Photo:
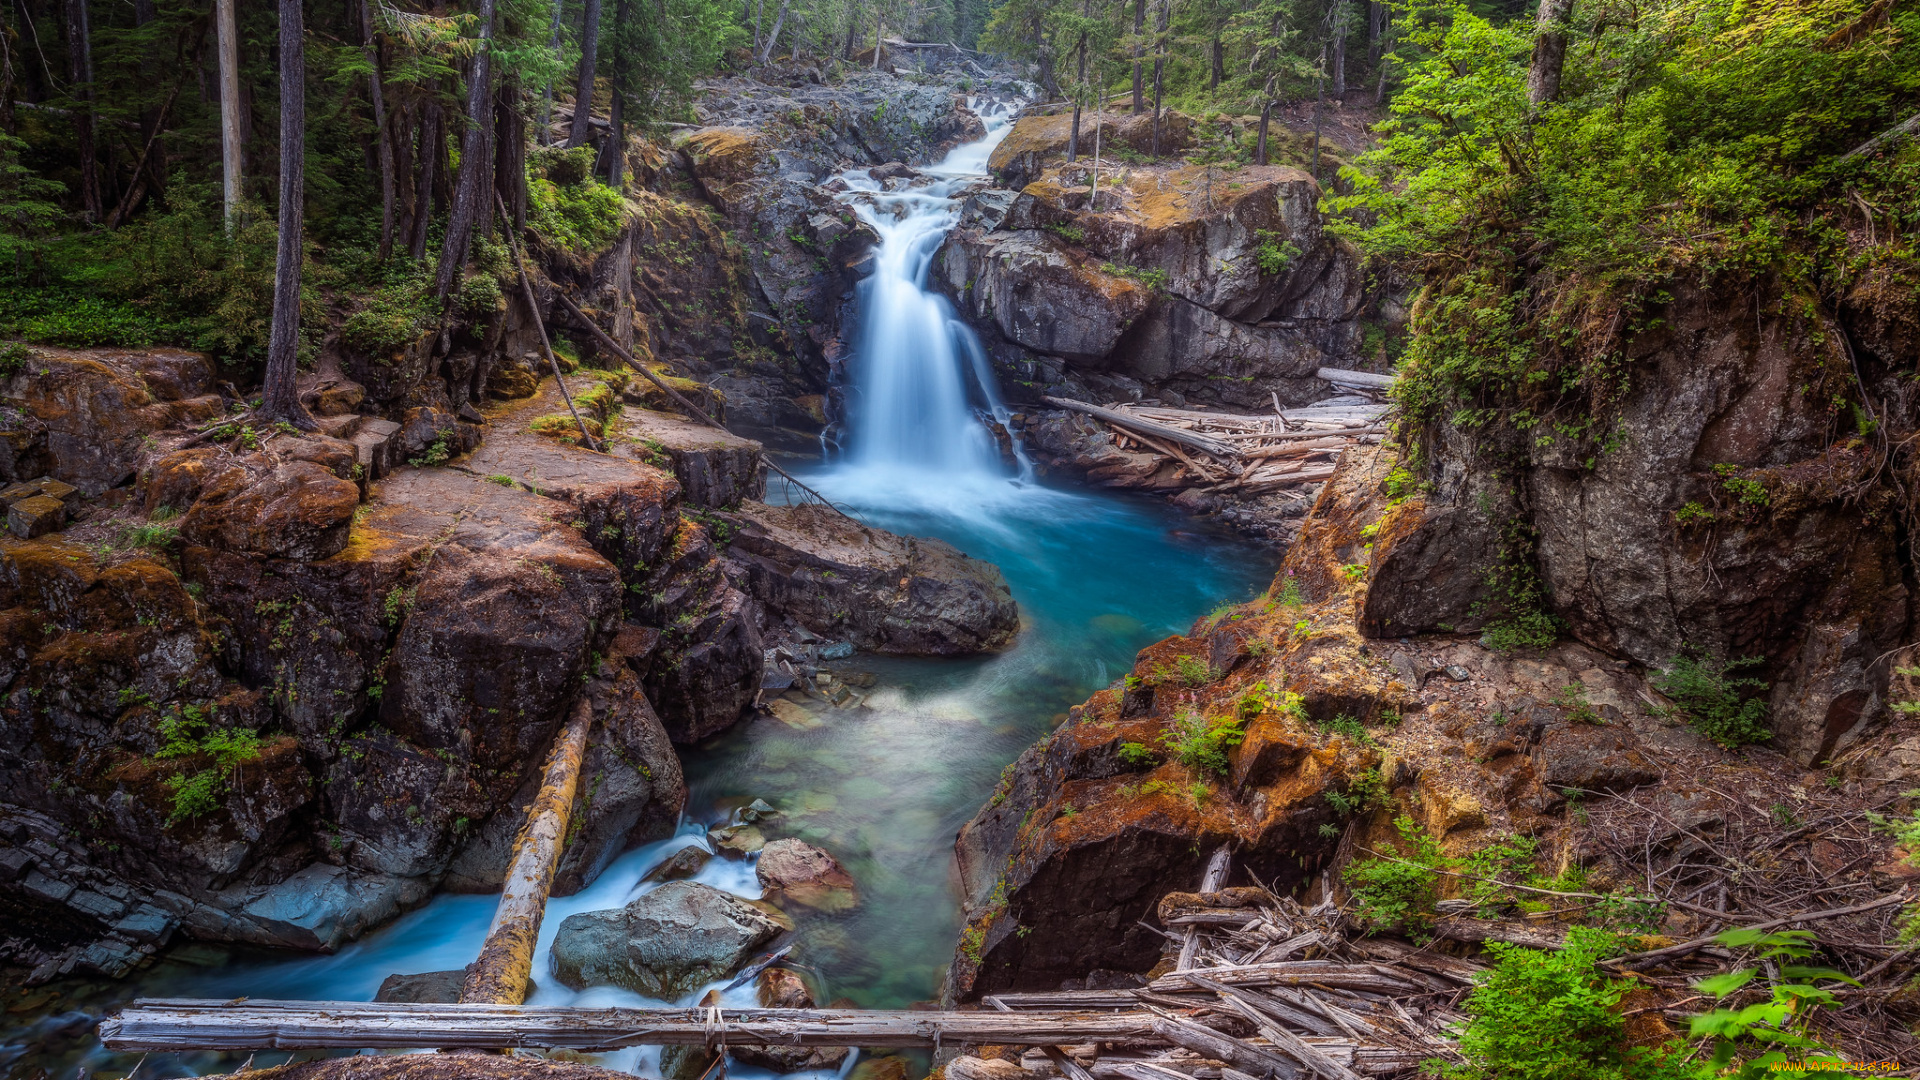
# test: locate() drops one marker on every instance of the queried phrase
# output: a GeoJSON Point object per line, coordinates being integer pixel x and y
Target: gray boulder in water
{"type": "Point", "coordinates": [663, 944]}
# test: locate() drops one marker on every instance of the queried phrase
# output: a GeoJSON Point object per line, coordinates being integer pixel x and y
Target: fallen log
{"type": "Point", "coordinates": [499, 976]}
{"type": "Point", "coordinates": [1283, 1040]}
{"type": "Point", "coordinates": [1348, 377]}
{"type": "Point", "coordinates": [1210, 1043]}
{"type": "Point", "coordinates": [1290, 973]}
{"type": "Point", "coordinates": [1475, 931]}
{"type": "Point", "coordinates": [1142, 426]}
{"type": "Point", "coordinates": [1067, 1066]}
{"type": "Point", "coordinates": [162, 1025]}
{"type": "Point", "coordinates": [1211, 880]}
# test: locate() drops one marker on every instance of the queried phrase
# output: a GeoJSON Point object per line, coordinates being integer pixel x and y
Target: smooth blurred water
{"type": "Point", "coordinates": [885, 786]}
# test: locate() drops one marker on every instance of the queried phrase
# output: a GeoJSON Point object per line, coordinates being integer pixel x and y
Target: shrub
{"type": "Point", "coordinates": [1202, 744]}
{"type": "Point", "coordinates": [1551, 1016]}
{"type": "Point", "coordinates": [1275, 252]}
{"type": "Point", "coordinates": [1725, 709]}
{"type": "Point", "coordinates": [392, 318]}
{"type": "Point", "coordinates": [582, 216]}
{"type": "Point", "coordinates": [1398, 893]}
{"type": "Point", "coordinates": [188, 732]}
{"type": "Point", "coordinates": [1136, 755]}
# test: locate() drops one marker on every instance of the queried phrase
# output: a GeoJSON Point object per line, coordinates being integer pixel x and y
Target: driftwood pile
{"type": "Point", "coordinates": [1261, 986]}
{"type": "Point", "coordinates": [1244, 455]}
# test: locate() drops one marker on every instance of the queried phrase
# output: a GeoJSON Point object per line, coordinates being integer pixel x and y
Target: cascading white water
{"type": "Point", "coordinates": [921, 378]}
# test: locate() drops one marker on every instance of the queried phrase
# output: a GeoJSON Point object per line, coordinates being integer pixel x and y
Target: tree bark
{"type": "Point", "coordinates": [377, 98]}
{"type": "Point", "coordinates": [280, 397]}
{"type": "Point", "coordinates": [1219, 67]}
{"type": "Point", "coordinates": [1339, 73]}
{"type": "Point", "coordinates": [1139, 27]}
{"type": "Point", "coordinates": [510, 152]}
{"type": "Point", "coordinates": [433, 140]}
{"type": "Point", "coordinates": [546, 95]}
{"type": "Point", "coordinates": [1376, 30]}
{"type": "Point", "coordinates": [1549, 51]}
{"type": "Point", "coordinates": [231, 142]}
{"type": "Point", "coordinates": [471, 194]}
{"type": "Point", "coordinates": [80, 72]}
{"type": "Point", "coordinates": [1266, 115]}
{"type": "Point", "coordinates": [1319, 106]}
{"type": "Point", "coordinates": [773, 38]}
{"type": "Point", "coordinates": [583, 88]}
{"type": "Point", "coordinates": [1159, 68]}
{"type": "Point", "coordinates": [144, 12]}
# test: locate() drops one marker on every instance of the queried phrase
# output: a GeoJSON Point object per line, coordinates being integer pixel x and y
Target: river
{"type": "Point", "coordinates": [885, 787]}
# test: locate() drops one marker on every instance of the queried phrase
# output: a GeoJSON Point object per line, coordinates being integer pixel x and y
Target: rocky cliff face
{"type": "Point", "coordinates": [1177, 281]}
{"type": "Point", "coordinates": [1335, 731]}
{"type": "Point", "coordinates": [1727, 507]}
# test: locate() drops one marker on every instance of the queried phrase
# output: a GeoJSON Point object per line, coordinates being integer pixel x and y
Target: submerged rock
{"type": "Point", "coordinates": [663, 944]}
{"type": "Point", "coordinates": [779, 988]}
{"type": "Point", "coordinates": [882, 592]}
{"type": "Point", "coordinates": [803, 873]}
{"type": "Point", "coordinates": [680, 865]}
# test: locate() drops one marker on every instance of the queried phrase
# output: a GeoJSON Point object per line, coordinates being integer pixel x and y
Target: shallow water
{"type": "Point", "coordinates": [884, 787]}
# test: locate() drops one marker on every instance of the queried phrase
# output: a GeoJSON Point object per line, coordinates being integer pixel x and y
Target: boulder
{"type": "Point", "coordinates": [803, 873]}
{"type": "Point", "coordinates": [682, 864]}
{"type": "Point", "coordinates": [663, 944]}
{"type": "Point", "coordinates": [426, 988]}
{"type": "Point", "coordinates": [265, 506]}
{"type": "Point", "coordinates": [34, 516]}
{"type": "Point", "coordinates": [1036, 140]}
{"type": "Point", "coordinates": [882, 592]}
{"type": "Point", "coordinates": [779, 988]}
{"type": "Point", "coordinates": [1041, 294]}
{"type": "Point", "coordinates": [716, 469]}
{"type": "Point", "coordinates": [82, 416]}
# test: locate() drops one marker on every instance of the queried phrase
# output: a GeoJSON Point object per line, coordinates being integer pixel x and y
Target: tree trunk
{"type": "Point", "coordinates": [583, 92]}
{"type": "Point", "coordinates": [1266, 115]}
{"type": "Point", "coordinates": [80, 72]}
{"type": "Point", "coordinates": [471, 195]}
{"type": "Point", "coordinates": [231, 141]}
{"type": "Point", "coordinates": [1219, 70]}
{"type": "Point", "coordinates": [773, 38]}
{"type": "Point", "coordinates": [546, 95]}
{"type": "Point", "coordinates": [1549, 51]}
{"type": "Point", "coordinates": [1339, 74]}
{"type": "Point", "coordinates": [1376, 30]}
{"type": "Point", "coordinates": [510, 152]}
{"type": "Point", "coordinates": [853, 31]}
{"type": "Point", "coordinates": [280, 397]}
{"type": "Point", "coordinates": [156, 170]}
{"type": "Point", "coordinates": [377, 97]}
{"type": "Point", "coordinates": [1319, 106]}
{"type": "Point", "coordinates": [1159, 68]}
{"type": "Point", "coordinates": [433, 140]}
{"type": "Point", "coordinates": [1139, 27]}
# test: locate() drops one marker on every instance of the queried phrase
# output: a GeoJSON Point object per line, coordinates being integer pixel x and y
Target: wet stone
{"type": "Point", "coordinates": [680, 865]}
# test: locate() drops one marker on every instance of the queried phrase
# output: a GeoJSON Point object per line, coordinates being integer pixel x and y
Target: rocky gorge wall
{"type": "Point", "coordinates": [276, 688]}
{"type": "Point", "coordinates": [1178, 280]}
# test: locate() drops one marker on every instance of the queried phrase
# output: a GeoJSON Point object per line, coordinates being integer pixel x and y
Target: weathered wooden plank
{"type": "Point", "coordinates": [160, 1025]}
{"type": "Point", "coordinates": [1289, 973]}
{"type": "Point", "coordinates": [1254, 1060]}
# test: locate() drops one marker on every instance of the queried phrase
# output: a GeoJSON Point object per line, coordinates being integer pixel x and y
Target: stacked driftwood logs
{"type": "Point", "coordinates": [1243, 455]}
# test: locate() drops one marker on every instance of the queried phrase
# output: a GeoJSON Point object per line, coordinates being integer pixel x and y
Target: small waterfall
{"type": "Point", "coordinates": [921, 379]}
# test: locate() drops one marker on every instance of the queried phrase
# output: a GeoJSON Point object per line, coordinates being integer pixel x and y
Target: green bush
{"type": "Point", "coordinates": [582, 217]}
{"type": "Point", "coordinates": [1202, 744]}
{"type": "Point", "coordinates": [188, 732]}
{"type": "Point", "coordinates": [393, 317]}
{"type": "Point", "coordinates": [1543, 1015]}
{"type": "Point", "coordinates": [1398, 893]}
{"type": "Point", "coordinates": [1725, 709]}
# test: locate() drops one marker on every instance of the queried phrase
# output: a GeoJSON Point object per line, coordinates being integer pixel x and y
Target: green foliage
{"type": "Point", "coordinates": [1366, 791]}
{"type": "Point", "coordinates": [1136, 755]}
{"type": "Point", "coordinates": [1260, 699]}
{"type": "Point", "coordinates": [1728, 710]}
{"type": "Point", "coordinates": [392, 317]}
{"type": "Point", "coordinates": [1155, 279]}
{"type": "Point", "coordinates": [436, 453]}
{"type": "Point", "coordinates": [1071, 233]}
{"type": "Point", "coordinates": [1779, 1026]}
{"type": "Point", "coordinates": [1518, 596]}
{"type": "Point", "coordinates": [1749, 492]}
{"type": "Point", "coordinates": [1696, 138]}
{"type": "Point", "coordinates": [188, 732]}
{"type": "Point", "coordinates": [1275, 252]}
{"type": "Point", "coordinates": [1289, 595]}
{"type": "Point", "coordinates": [580, 217]}
{"type": "Point", "coordinates": [1202, 744]}
{"type": "Point", "coordinates": [1573, 698]}
{"type": "Point", "coordinates": [1393, 895]}
{"type": "Point", "coordinates": [1550, 1015]}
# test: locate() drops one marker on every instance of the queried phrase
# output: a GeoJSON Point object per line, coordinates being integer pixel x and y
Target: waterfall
{"type": "Point", "coordinates": [921, 381]}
